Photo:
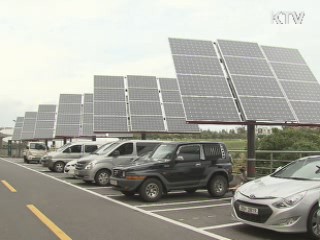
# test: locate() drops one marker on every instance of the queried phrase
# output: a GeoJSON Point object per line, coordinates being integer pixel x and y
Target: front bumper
{"type": "Point", "coordinates": [122, 184]}
{"type": "Point", "coordinates": [85, 174]}
{"type": "Point", "coordinates": [287, 220]}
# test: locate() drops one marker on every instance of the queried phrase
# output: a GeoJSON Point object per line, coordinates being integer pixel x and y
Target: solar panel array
{"type": "Point", "coordinates": [205, 92]}
{"type": "Point", "coordinates": [69, 115]}
{"type": "Point", "coordinates": [298, 82]}
{"type": "Point", "coordinates": [45, 123]}
{"type": "Point", "coordinates": [141, 104]}
{"type": "Point", "coordinates": [16, 136]}
{"type": "Point", "coordinates": [29, 124]}
{"type": "Point", "coordinates": [269, 84]}
{"type": "Point", "coordinates": [258, 91]}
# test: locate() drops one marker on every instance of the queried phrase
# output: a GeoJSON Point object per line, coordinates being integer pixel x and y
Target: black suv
{"type": "Point", "coordinates": [176, 166]}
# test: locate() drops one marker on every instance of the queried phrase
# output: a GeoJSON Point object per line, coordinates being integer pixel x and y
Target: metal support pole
{"type": "Point", "coordinates": [94, 138]}
{"type": "Point", "coordinates": [64, 141]}
{"type": "Point", "coordinates": [251, 165]}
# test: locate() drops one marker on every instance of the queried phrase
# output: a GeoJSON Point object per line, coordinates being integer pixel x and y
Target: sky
{"type": "Point", "coordinates": [57, 46]}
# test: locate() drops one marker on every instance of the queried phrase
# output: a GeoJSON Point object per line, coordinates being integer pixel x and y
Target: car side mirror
{"type": "Point", "coordinates": [115, 153]}
{"type": "Point", "coordinates": [179, 158]}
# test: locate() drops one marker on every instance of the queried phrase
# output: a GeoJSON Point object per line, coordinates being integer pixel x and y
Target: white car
{"type": "Point", "coordinates": [69, 168]}
{"type": "Point", "coordinates": [284, 201]}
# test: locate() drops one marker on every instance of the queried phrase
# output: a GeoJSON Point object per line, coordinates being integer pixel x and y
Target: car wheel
{"type": "Point", "coordinates": [191, 190]}
{"type": "Point", "coordinates": [128, 193]}
{"type": "Point", "coordinates": [313, 223]}
{"type": "Point", "coordinates": [59, 167]}
{"type": "Point", "coordinates": [218, 186]}
{"type": "Point", "coordinates": [24, 159]}
{"type": "Point", "coordinates": [151, 190]}
{"type": "Point", "coordinates": [102, 177]}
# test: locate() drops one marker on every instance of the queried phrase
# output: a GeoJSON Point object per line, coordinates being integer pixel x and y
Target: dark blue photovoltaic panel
{"type": "Point", "coordinates": [45, 123]}
{"type": "Point", "coordinates": [16, 136]}
{"type": "Point", "coordinates": [240, 49]}
{"type": "Point", "coordinates": [285, 55]}
{"type": "Point", "coordinates": [192, 47]}
{"type": "Point", "coordinates": [29, 124]}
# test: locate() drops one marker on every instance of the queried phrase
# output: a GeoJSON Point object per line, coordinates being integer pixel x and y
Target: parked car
{"type": "Point", "coordinates": [285, 201]}
{"type": "Point", "coordinates": [71, 166]}
{"type": "Point", "coordinates": [56, 161]}
{"type": "Point", "coordinates": [34, 151]}
{"type": "Point", "coordinates": [176, 166]}
{"type": "Point", "coordinates": [98, 169]}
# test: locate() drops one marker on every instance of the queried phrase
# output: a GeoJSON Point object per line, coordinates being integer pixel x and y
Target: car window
{"type": "Point", "coordinates": [73, 149]}
{"type": "Point", "coordinates": [143, 148]}
{"type": "Point", "coordinates": [189, 152]}
{"type": "Point", "coordinates": [301, 169]}
{"type": "Point", "coordinates": [90, 148]}
{"type": "Point", "coordinates": [213, 152]}
{"type": "Point", "coordinates": [125, 149]}
{"type": "Point", "coordinates": [40, 146]}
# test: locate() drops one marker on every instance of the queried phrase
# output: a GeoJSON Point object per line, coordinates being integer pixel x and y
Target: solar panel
{"type": "Point", "coordinates": [209, 109]}
{"type": "Point", "coordinates": [197, 65]}
{"type": "Point", "coordinates": [69, 115]}
{"type": "Point", "coordinates": [298, 82]}
{"type": "Point", "coordinates": [293, 72]}
{"type": "Point", "coordinates": [142, 82]}
{"type": "Point", "coordinates": [45, 124]}
{"type": "Point", "coordinates": [174, 110]}
{"type": "Point", "coordinates": [147, 123]}
{"type": "Point", "coordinates": [258, 91]}
{"type": "Point", "coordinates": [192, 47]}
{"type": "Point", "coordinates": [28, 125]}
{"type": "Point", "coordinates": [144, 94]}
{"type": "Point", "coordinates": [178, 125]}
{"type": "Point", "coordinates": [109, 105]}
{"type": "Point", "coordinates": [288, 55]}
{"type": "Point", "coordinates": [240, 49]}
{"type": "Point", "coordinates": [202, 83]}
{"type": "Point", "coordinates": [269, 109]}
{"type": "Point", "coordinates": [168, 84]}
{"type": "Point", "coordinates": [248, 66]}
{"type": "Point", "coordinates": [145, 108]}
{"type": "Point", "coordinates": [210, 86]}
{"type": "Point", "coordinates": [257, 86]}
{"type": "Point", "coordinates": [16, 136]}
{"type": "Point", "coordinates": [171, 96]}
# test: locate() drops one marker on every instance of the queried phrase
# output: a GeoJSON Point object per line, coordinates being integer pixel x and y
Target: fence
{"type": "Point", "coordinates": [267, 160]}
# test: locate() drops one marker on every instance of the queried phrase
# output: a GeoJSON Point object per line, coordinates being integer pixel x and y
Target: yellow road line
{"type": "Point", "coordinates": [46, 221]}
{"type": "Point", "coordinates": [5, 183]}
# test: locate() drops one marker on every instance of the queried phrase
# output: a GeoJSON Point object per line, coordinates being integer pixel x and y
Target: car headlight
{"type": "Point", "coordinates": [90, 165]}
{"type": "Point", "coordinates": [289, 201]}
{"type": "Point", "coordinates": [236, 194]}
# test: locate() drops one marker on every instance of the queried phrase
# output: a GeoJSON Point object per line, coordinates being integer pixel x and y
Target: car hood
{"type": "Point", "coordinates": [272, 187]}
{"type": "Point", "coordinates": [89, 158]}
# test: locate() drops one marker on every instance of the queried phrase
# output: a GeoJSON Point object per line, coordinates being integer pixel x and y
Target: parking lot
{"type": "Point", "coordinates": [194, 211]}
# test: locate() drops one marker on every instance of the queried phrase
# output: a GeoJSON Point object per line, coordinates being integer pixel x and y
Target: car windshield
{"type": "Point", "coordinates": [104, 148]}
{"type": "Point", "coordinates": [164, 151]}
{"type": "Point", "coordinates": [303, 169]}
{"type": "Point", "coordinates": [63, 147]}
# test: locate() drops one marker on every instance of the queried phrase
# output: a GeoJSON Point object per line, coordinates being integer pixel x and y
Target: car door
{"type": "Point", "coordinates": [89, 148]}
{"type": "Point", "coordinates": [187, 168]}
{"type": "Point", "coordinates": [123, 154]}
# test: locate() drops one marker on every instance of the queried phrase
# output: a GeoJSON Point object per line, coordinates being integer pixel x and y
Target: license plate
{"type": "Point", "coordinates": [249, 210]}
{"type": "Point", "coordinates": [113, 182]}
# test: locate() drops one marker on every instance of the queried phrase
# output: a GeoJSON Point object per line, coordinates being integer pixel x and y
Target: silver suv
{"type": "Point", "coordinates": [98, 169]}
{"type": "Point", "coordinates": [56, 161]}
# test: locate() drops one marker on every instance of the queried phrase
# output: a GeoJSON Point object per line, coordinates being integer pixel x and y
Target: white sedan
{"type": "Point", "coordinates": [285, 201]}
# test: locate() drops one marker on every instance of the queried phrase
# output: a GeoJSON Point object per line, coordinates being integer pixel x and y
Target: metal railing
{"type": "Point", "coordinates": [267, 160]}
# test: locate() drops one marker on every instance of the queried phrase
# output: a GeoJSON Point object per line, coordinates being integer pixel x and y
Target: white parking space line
{"type": "Point", "coordinates": [187, 226]}
{"type": "Point", "coordinates": [189, 208]}
{"type": "Point", "coordinates": [222, 226]}
{"type": "Point", "coordinates": [96, 188]}
{"type": "Point", "coordinates": [180, 203]}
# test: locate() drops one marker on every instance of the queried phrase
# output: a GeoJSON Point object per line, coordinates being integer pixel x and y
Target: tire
{"type": "Point", "coordinates": [102, 177]}
{"type": "Point", "coordinates": [128, 193]}
{"type": "Point", "coordinates": [59, 167]}
{"type": "Point", "coordinates": [191, 190]}
{"type": "Point", "coordinates": [151, 190]}
{"type": "Point", "coordinates": [218, 186]}
{"type": "Point", "coordinates": [24, 159]}
{"type": "Point", "coordinates": [312, 225]}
